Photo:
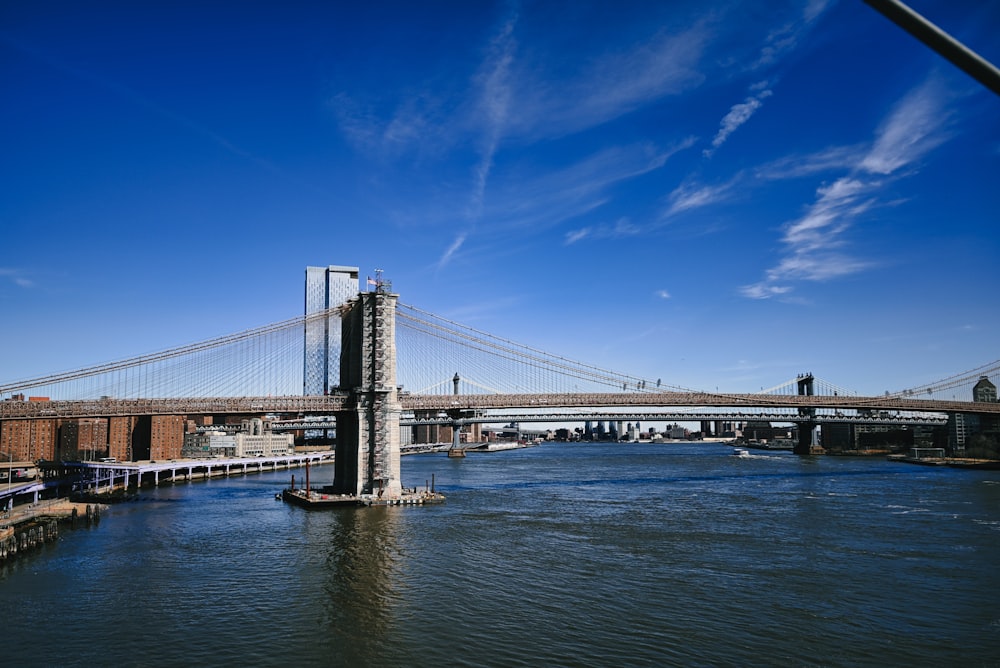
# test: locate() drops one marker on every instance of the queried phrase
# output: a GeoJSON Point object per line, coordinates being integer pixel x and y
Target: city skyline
{"type": "Point", "coordinates": [718, 195]}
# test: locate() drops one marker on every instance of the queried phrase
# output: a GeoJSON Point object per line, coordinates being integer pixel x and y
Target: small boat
{"type": "Point", "coordinates": [741, 452]}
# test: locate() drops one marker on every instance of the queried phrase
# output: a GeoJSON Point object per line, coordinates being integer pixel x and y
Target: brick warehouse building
{"type": "Point", "coordinates": [125, 438]}
{"type": "Point", "coordinates": [29, 440]}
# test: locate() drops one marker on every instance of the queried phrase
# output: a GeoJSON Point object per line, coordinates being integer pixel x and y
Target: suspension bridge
{"type": "Point", "coordinates": [260, 370]}
{"type": "Point", "coordinates": [419, 368]}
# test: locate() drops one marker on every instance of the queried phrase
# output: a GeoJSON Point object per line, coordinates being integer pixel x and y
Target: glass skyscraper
{"type": "Point", "coordinates": [326, 287]}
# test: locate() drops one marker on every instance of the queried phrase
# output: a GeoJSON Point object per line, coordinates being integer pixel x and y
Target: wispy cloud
{"type": "Point", "coordinates": [494, 102]}
{"type": "Point", "coordinates": [16, 277]}
{"type": "Point", "coordinates": [663, 294]}
{"type": "Point", "coordinates": [763, 290]}
{"type": "Point", "coordinates": [451, 250]}
{"type": "Point", "coordinates": [787, 36]}
{"type": "Point", "coordinates": [815, 247]}
{"type": "Point", "coordinates": [738, 115]}
{"type": "Point", "coordinates": [409, 124]}
{"type": "Point", "coordinates": [609, 85]}
{"type": "Point", "coordinates": [779, 42]}
{"type": "Point", "coordinates": [358, 124]}
{"type": "Point", "coordinates": [694, 196]}
{"type": "Point", "coordinates": [543, 200]}
{"type": "Point", "coordinates": [484, 310]}
{"type": "Point", "coordinates": [414, 123]}
{"type": "Point", "coordinates": [798, 166]}
{"type": "Point", "coordinates": [555, 97]}
{"type": "Point", "coordinates": [551, 100]}
{"type": "Point", "coordinates": [620, 228]}
{"type": "Point", "coordinates": [913, 129]}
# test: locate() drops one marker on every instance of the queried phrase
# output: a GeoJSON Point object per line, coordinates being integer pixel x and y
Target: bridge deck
{"type": "Point", "coordinates": [305, 405]}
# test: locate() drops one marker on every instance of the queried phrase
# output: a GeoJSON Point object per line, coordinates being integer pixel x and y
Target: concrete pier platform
{"type": "Point", "coordinates": [319, 499]}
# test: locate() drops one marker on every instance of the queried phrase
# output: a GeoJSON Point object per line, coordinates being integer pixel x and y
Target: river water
{"type": "Point", "coordinates": [558, 555]}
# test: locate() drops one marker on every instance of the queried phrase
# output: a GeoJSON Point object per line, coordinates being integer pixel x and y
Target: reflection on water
{"type": "Point", "coordinates": [362, 580]}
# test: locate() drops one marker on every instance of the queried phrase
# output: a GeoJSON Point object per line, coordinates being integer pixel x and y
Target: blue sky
{"type": "Point", "coordinates": [719, 194]}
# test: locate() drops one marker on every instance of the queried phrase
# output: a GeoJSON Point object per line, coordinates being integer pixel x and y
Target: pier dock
{"type": "Point", "coordinates": [320, 499]}
{"type": "Point", "coordinates": [29, 526]}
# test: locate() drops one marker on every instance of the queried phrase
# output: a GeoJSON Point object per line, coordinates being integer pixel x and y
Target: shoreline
{"type": "Point", "coordinates": [61, 509]}
{"type": "Point", "coordinates": [36, 524]}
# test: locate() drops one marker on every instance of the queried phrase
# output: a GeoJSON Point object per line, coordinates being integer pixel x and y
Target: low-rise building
{"type": "Point", "coordinates": [254, 439]}
{"type": "Point", "coordinates": [266, 444]}
{"type": "Point", "coordinates": [972, 434]}
{"type": "Point", "coordinates": [209, 445]}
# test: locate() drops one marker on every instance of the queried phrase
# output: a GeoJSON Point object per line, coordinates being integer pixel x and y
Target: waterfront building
{"type": "Point", "coordinates": [165, 434]}
{"type": "Point", "coordinates": [326, 288]}
{"type": "Point", "coordinates": [267, 444]}
{"type": "Point", "coordinates": [83, 438]}
{"type": "Point", "coordinates": [882, 437]}
{"type": "Point", "coordinates": [28, 440]}
{"type": "Point", "coordinates": [425, 434]}
{"type": "Point", "coordinates": [757, 430]}
{"type": "Point", "coordinates": [255, 440]}
{"type": "Point", "coordinates": [632, 433]}
{"type": "Point", "coordinates": [841, 437]}
{"type": "Point", "coordinates": [984, 391]}
{"type": "Point", "coordinates": [120, 431]}
{"type": "Point", "coordinates": [209, 445]}
{"type": "Point", "coordinates": [675, 431]}
{"type": "Point", "coordinates": [981, 433]}
{"type": "Point", "coordinates": [471, 433]}
{"type": "Point", "coordinates": [972, 434]}
{"type": "Point", "coordinates": [838, 437]}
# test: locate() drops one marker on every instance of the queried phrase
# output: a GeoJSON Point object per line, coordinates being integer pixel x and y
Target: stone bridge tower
{"type": "Point", "coordinates": [367, 460]}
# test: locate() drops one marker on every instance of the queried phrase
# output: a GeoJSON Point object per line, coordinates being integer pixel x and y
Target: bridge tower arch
{"type": "Point", "coordinates": [367, 453]}
{"type": "Point", "coordinates": [807, 423]}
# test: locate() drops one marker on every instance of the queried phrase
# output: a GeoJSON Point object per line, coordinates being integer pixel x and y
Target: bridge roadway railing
{"type": "Point", "coordinates": [174, 406]}
{"type": "Point", "coordinates": [879, 417]}
{"type": "Point", "coordinates": [320, 405]}
{"type": "Point", "coordinates": [706, 399]}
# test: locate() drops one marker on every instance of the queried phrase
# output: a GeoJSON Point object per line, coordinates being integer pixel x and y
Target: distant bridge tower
{"type": "Point", "coordinates": [807, 426]}
{"type": "Point", "coordinates": [806, 383]}
{"type": "Point", "coordinates": [367, 460]}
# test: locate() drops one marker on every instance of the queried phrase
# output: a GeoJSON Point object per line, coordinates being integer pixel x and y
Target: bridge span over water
{"type": "Point", "coordinates": [385, 350]}
{"type": "Point", "coordinates": [734, 404]}
{"type": "Point", "coordinates": [695, 399]}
